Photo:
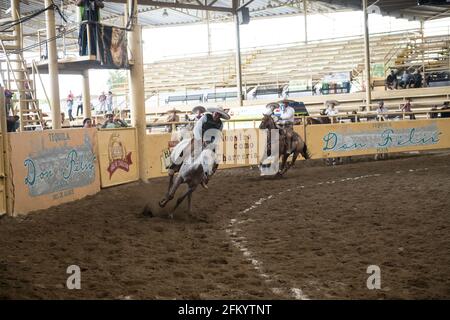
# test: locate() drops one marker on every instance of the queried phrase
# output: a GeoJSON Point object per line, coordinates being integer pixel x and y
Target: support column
{"type": "Point", "coordinates": [16, 65]}
{"type": "Point", "coordinates": [7, 178]}
{"type": "Point", "coordinates": [86, 95]}
{"type": "Point", "coordinates": [53, 67]}
{"type": "Point", "coordinates": [238, 60]}
{"type": "Point", "coordinates": [209, 33]}
{"type": "Point", "coordinates": [136, 82]}
{"type": "Point", "coordinates": [305, 12]}
{"type": "Point", "coordinates": [367, 55]}
{"type": "Point", "coordinates": [422, 51]}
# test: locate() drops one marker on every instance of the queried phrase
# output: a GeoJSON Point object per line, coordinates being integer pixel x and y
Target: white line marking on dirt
{"type": "Point", "coordinates": [238, 241]}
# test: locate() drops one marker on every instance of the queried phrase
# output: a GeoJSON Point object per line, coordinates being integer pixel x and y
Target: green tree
{"type": "Point", "coordinates": [117, 79]}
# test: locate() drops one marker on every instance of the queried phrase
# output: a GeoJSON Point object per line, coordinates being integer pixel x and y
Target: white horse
{"type": "Point", "coordinates": [192, 172]}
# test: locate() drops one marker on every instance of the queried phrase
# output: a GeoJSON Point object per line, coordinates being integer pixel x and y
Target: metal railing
{"type": "Point", "coordinates": [303, 120]}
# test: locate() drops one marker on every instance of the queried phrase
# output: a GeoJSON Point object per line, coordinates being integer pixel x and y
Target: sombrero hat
{"type": "Point", "coordinates": [220, 110]}
{"type": "Point", "coordinates": [198, 108]}
{"type": "Point", "coordinates": [335, 102]}
{"type": "Point", "coordinates": [173, 110]}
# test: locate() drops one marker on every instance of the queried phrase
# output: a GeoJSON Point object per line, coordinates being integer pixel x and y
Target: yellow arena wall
{"type": "Point", "coordinates": [353, 139]}
{"type": "Point", "coordinates": [118, 156]}
{"type": "Point", "coordinates": [53, 167]}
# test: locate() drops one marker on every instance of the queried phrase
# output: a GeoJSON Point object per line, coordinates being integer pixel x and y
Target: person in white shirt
{"type": "Point", "coordinates": [331, 110]}
{"type": "Point", "coordinates": [381, 111]}
{"type": "Point", "coordinates": [285, 121]}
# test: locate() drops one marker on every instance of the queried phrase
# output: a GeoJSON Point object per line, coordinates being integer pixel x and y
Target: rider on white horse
{"type": "Point", "coordinates": [208, 130]}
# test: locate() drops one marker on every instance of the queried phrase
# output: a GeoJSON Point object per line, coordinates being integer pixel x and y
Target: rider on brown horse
{"type": "Point", "coordinates": [285, 121]}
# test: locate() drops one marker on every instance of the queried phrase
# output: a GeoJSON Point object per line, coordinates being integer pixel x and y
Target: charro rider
{"type": "Point", "coordinates": [285, 121]}
{"type": "Point", "coordinates": [202, 137]}
{"type": "Point", "coordinates": [207, 130]}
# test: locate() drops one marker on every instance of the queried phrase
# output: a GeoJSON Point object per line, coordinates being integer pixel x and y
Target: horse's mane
{"type": "Point", "coordinates": [267, 120]}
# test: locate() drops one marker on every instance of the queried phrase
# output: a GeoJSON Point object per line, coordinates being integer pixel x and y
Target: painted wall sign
{"type": "Point", "coordinates": [50, 168]}
{"type": "Point", "coordinates": [60, 168]}
{"type": "Point", "coordinates": [375, 137]}
{"type": "Point", "coordinates": [118, 156]}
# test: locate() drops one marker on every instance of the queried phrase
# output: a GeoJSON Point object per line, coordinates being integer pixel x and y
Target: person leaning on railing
{"type": "Point", "coordinates": [382, 111]}
{"type": "Point", "coordinates": [408, 108]}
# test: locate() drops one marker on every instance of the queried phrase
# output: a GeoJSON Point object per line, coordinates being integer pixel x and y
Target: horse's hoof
{"type": "Point", "coordinates": [162, 203]}
{"type": "Point", "coordinates": [204, 185]}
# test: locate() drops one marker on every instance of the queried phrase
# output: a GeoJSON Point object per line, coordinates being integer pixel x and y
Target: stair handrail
{"type": "Point", "coordinates": [36, 70]}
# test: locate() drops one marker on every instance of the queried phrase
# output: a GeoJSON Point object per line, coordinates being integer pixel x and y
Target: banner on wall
{"type": "Point", "coordinates": [113, 47]}
{"type": "Point", "coordinates": [50, 168]}
{"type": "Point", "coordinates": [335, 140]}
{"type": "Point", "coordinates": [117, 150]}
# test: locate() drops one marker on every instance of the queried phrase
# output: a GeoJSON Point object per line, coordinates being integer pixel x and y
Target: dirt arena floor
{"type": "Point", "coordinates": [311, 234]}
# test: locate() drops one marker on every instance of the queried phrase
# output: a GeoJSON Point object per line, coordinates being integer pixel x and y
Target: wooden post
{"type": "Point", "coordinates": [86, 92]}
{"type": "Point", "coordinates": [5, 156]}
{"type": "Point", "coordinates": [238, 59]}
{"type": "Point", "coordinates": [19, 76]}
{"type": "Point", "coordinates": [136, 81]}
{"type": "Point", "coordinates": [422, 25]}
{"type": "Point", "coordinates": [53, 66]}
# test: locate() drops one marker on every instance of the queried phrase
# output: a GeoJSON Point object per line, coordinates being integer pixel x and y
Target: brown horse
{"type": "Point", "coordinates": [297, 145]}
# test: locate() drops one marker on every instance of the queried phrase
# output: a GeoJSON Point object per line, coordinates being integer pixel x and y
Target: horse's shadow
{"type": "Point", "coordinates": [172, 214]}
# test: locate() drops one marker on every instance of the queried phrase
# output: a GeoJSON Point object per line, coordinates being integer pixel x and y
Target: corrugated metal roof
{"type": "Point", "coordinates": [153, 16]}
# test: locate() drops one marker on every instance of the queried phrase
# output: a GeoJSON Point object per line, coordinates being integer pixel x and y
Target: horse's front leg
{"type": "Point", "coordinates": [171, 174]}
{"type": "Point", "coordinates": [171, 193]}
{"type": "Point", "coordinates": [187, 194]}
{"type": "Point", "coordinates": [283, 164]}
{"type": "Point", "coordinates": [294, 158]}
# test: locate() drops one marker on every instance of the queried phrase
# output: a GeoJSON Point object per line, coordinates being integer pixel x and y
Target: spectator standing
{"type": "Point", "coordinates": [102, 101]}
{"type": "Point", "coordinates": [172, 117]}
{"type": "Point", "coordinates": [8, 100]}
{"type": "Point", "coordinates": [90, 14]}
{"type": "Point", "coordinates": [109, 101]}
{"type": "Point", "coordinates": [418, 79]}
{"type": "Point", "coordinates": [407, 107]}
{"type": "Point", "coordinates": [79, 105]}
{"type": "Point", "coordinates": [381, 111]}
{"type": "Point", "coordinates": [70, 105]}
{"type": "Point", "coordinates": [406, 80]}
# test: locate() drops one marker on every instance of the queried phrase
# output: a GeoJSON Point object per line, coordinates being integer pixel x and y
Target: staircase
{"type": "Point", "coordinates": [16, 78]}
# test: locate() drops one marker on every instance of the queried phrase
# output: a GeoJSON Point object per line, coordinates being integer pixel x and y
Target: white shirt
{"type": "Point", "coordinates": [331, 111]}
{"type": "Point", "coordinates": [287, 115]}
{"type": "Point", "coordinates": [382, 110]}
